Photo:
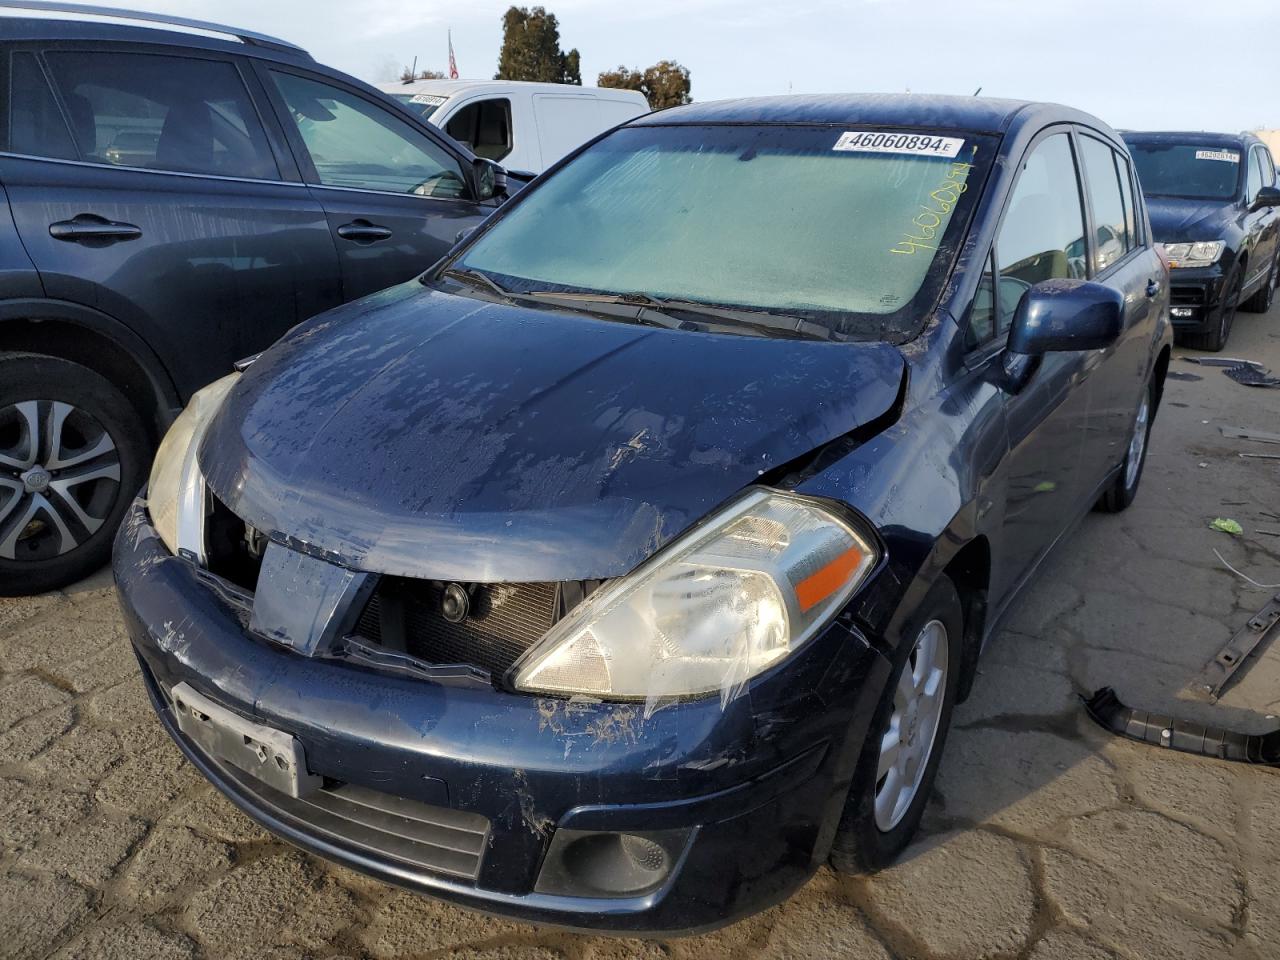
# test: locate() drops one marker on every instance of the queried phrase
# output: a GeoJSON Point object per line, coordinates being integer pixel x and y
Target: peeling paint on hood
{"type": "Point", "coordinates": [420, 433]}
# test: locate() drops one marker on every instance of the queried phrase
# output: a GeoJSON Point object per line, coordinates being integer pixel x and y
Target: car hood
{"type": "Point", "coordinates": [426, 434]}
{"type": "Point", "coordinates": [1174, 220]}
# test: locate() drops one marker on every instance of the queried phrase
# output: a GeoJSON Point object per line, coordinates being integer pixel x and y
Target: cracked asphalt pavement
{"type": "Point", "coordinates": [1047, 839]}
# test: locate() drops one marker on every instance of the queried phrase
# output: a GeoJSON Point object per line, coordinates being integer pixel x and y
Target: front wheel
{"type": "Point", "coordinates": [899, 761]}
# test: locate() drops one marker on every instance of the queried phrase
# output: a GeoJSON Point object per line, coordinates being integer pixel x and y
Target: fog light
{"type": "Point", "coordinates": [1182, 312]}
{"type": "Point", "coordinates": [589, 863]}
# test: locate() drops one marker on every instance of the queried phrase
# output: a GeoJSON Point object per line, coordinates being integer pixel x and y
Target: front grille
{"type": "Point", "coordinates": [505, 620]}
{"type": "Point", "coordinates": [1187, 296]}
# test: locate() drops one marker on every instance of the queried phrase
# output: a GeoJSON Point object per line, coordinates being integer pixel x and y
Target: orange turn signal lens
{"type": "Point", "coordinates": [825, 581]}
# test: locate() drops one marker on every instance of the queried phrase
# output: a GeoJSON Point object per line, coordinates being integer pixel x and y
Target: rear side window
{"type": "Point", "coordinates": [1111, 225]}
{"type": "Point", "coordinates": [485, 127]}
{"type": "Point", "coordinates": [1042, 236]}
{"type": "Point", "coordinates": [1266, 169]}
{"type": "Point", "coordinates": [358, 145]}
{"type": "Point", "coordinates": [162, 113]}
{"type": "Point", "coordinates": [36, 126]}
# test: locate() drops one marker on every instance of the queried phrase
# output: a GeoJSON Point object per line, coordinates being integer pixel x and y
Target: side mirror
{"type": "Point", "coordinates": [1061, 315]}
{"type": "Point", "coordinates": [491, 179]}
{"type": "Point", "coordinates": [1267, 197]}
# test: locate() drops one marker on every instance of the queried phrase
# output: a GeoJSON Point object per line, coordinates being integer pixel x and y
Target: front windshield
{"type": "Point", "coordinates": [854, 230]}
{"type": "Point", "coordinates": [1194, 171]}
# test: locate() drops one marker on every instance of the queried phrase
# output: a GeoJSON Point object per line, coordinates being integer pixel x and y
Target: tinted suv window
{"type": "Point", "coordinates": [485, 127]}
{"type": "Point", "coordinates": [162, 113]}
{"type": "Point", "coordinates": [354, 143]}
{"type": "Point", "coordinates": [1254, 183]}
{"type": "Point", "coordinates": [1042, 236]}
{"type": "Point", "coordinates": [1110, 223]}
{"type": "Point", "coordinates": [36, 126]}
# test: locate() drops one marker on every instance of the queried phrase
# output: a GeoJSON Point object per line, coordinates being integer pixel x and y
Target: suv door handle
{"type": "Point", "coordinates": [362, 231]}
{"type": "Point", "coordinates": [1153, 287]}
{"type": "Point", "coordinates": [89, 227]}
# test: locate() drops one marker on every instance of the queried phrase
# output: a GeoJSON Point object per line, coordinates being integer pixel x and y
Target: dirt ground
{"type": "Point", "coordinates": [1047, 838]}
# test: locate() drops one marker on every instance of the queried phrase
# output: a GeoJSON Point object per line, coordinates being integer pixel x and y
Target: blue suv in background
{"type": "Point", "coordinates": [169, 202]}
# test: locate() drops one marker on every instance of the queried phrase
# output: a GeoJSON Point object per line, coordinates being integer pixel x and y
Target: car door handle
{"type": "Point", "coordinates": [362, 231]}
{"type": "Point", "coordinates": [1153, 287]}
{"type": "Point", "coordinates": [89, 227]}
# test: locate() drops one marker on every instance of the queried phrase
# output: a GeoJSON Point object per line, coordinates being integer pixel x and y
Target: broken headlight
{"type": "Point", "coordinates": [1202, 254]}
{"type": "Point", "coordinates": [175, 492]}
{"type": "Point", "coordinates": [723, 603]}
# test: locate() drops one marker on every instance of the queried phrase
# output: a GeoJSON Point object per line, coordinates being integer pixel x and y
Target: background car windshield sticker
{"type": "Point", "coordinates": [922, 144]}
{"type": "Point", "coordinates": [1230, 156]}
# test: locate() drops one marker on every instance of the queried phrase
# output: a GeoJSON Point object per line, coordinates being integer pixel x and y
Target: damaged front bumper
{"type": "Point", "coordinates": [576, 813]}
{"type": "Point", "coordinates": [1195, 302]}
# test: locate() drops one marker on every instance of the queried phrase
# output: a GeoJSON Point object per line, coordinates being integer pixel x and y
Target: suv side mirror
{"type": "Point", "coordinates": [1061, 315]}
{"type": "Point", "coordinates": [1267, 197]}
{"type": "Point", "coordinates": [491, 179]}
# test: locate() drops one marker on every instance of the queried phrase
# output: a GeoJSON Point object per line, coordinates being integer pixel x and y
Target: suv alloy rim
{"type": "Point", "coordinates": [1138, 443]}
{"type": "Point", "coordinates": [913, 726]}
{"type": "Point", "coordinates": [59, 477]}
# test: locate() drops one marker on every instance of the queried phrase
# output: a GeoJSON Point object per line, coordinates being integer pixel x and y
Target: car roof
{"type": "Point", "coordinates": [448, 88]}
{"type": "Point", "coordinates": [1204, 137]}
{"type": "Point", "coordinates": [118, 28]}
{"type": "Point", "coordinates": [937, 112]}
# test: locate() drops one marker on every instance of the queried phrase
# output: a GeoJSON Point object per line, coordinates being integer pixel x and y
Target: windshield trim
{"type": "Point", "coordinates": [922, 307]}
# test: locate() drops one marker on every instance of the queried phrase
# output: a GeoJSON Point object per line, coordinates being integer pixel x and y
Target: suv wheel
{"type": "Point", "coordinates": [1261, 301]}
{"type": "Point", "coordinates": [1125, 486]}
{"type": "Point", "coordinates": [1216, 338]}
{"type": "Point", "coordinates": [73, 452]}
{"type": "Point", "coordinates": [895, 772]}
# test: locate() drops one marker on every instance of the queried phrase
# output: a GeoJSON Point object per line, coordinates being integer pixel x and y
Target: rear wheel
{"type": "Point", "coordinates": [1216, 338]}
{"type": "Point", "coordinates": [1125, 486]}
{"type": "Point", "coordinates": [73, 452]}
{"type": "Point", "coordinates": [1261, 301]}
{"type": "Point", "coordinates": [899, 761]}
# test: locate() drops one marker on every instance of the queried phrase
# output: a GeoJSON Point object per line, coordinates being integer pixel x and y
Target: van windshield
{"type": "Point", "coordinates": [854, 230]}
{"type": "Point", "coordinates": [1193, 171]}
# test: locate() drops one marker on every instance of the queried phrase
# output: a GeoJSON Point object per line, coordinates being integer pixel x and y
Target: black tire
{"type": "Point", "coordinates": [1124, 488]}
{"type": "Point", "coordinates": [1216, 339]}
{"type": "Point", "coordinates": [1261, 301]}
{"type": "Point", "coordinates": [861, 844]}
{"type": "Point", "coordinates": [85, 484]}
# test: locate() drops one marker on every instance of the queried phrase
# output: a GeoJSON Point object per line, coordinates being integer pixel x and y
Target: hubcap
{"type": "Point", "coordinates": [907, 745]}
{"type": "Point", "coordinates": [1138, 443]}
{"type": "Point", "coordinates": [59, 478]}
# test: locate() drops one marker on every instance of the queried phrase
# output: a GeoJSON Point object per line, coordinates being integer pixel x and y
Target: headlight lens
{"type": "Point", "coordinates": [175, 492]}
{"type": "Point", "coordinates": [1202, 254]}
{"type": "Point", "coordinates": [719, 606]}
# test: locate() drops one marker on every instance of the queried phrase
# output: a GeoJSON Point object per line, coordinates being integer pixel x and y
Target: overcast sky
{"type": "Point", "coordinates": [1146, 64]}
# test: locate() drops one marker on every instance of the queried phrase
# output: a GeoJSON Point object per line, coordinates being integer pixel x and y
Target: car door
{"type": "Point", "coordinates": [1124, 260]}
{"type": "Point", "coordinates": [146, 185]}
{"type": "Point", "coordinates": [1041, 236]}
{"type": "Point", "coordinates": [395, 195]}
{"type": "Point", "coordinates": [1264, 223]}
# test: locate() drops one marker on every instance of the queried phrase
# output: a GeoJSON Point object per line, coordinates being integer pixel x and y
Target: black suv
{"type": "Point", "coordinates": [170, 202]}
{"type": "Point", "coordinates": [1212, 198]}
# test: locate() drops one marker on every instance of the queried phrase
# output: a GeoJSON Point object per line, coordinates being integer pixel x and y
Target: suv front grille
{"type": "Point", "coordinates": [504, 621]}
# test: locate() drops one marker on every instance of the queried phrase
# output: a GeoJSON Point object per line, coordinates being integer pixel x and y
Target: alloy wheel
{"type": "Point", "coordinates": [59, 478]}
{"type": "Point", "coordinates": [907, 744]}
{"type": "Point", "coordinates": [1138, 443]}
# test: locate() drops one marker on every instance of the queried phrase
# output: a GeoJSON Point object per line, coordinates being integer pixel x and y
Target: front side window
{"type": "Point", "coordinates": [1042, 234]}
{"type": "Point", "coordinates": [1254, 183]}
{"type": "Point", "coordinates": [1112, 233]}
{"type": "Point", "coordinates": [1193, 171]}
{"type": "Point", "coordinates": [853, 230]}
{"type": "Point", "coordinates": [356, 144]}
{"type": "Point", "coordinates": [484, 126]}
{"type": "Point", "coordinates": [162, 113]}
{"type": "Point", "coordinates": [1130, 210]}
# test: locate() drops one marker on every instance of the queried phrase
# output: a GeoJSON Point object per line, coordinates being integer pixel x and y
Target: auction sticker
{"type": "Point", "coordinates": [1230, 156]}
{"type": "Point", "coordinates": [922, 144]}
{"type": "Point", "coordinates": [428, 98]}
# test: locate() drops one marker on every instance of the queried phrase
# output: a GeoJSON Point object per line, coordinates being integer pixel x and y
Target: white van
{"type": "Point", "coordinates": [524, 126]}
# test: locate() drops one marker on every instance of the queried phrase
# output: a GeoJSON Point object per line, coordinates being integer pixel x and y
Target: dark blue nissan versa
{"type": "Point", "coordinates": [626, 566]}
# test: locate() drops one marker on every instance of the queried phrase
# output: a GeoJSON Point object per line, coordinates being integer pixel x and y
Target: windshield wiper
{"type": "Point", "coordinates": [767, 324]}
{"type": "Point", "coordinates": [477, 278]}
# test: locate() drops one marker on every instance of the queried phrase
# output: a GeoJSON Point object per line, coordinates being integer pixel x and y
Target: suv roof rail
{"type": "Point", "coordinates": [164, 19]}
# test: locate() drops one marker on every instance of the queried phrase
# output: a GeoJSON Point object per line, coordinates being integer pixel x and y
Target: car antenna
{"type": "Point", "coordinates": [978, 91]}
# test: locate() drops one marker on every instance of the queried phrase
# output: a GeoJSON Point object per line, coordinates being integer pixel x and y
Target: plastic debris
{"type": "Point", "coordinates": [1226, 525]}
{"type": "Point", "coordinates": [1044, 486]}
{"type": "Point", "coordinates": [1252, 375]}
